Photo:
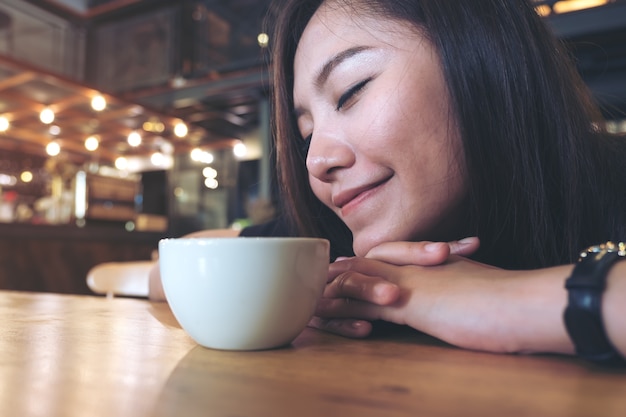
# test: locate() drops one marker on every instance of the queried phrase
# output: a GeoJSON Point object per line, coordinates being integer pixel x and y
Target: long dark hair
{"type": "Point", "coordinates": [542, 171]}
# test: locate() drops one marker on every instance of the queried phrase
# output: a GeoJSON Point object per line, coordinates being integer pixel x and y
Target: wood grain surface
{"type": "Point", "coordinates": [73, 355]}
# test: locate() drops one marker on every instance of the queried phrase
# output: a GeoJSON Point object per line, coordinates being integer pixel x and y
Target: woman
{"type": "Point", "coordinates": [404, 122]}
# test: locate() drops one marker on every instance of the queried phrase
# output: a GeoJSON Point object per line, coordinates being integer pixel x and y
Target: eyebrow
{"type": "Point", "coordinates": [327, 69]}
{"type": "Point", "coordinates": [324, 73]}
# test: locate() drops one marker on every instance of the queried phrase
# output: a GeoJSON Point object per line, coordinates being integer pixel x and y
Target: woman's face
{"type": "Point", "coordinates": [385, 154]}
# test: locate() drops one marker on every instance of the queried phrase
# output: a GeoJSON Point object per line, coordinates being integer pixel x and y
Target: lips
{"type": "Point", "coordinates": [344, 198]}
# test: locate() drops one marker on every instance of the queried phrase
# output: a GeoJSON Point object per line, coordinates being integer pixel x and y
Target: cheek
{"type": "Point", "coordinates": [396, 120]}
{"type": "Point", "coordinates": [419, 128]}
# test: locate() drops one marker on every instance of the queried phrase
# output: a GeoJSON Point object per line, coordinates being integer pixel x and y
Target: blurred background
{"type": "Point", "coordinates": [182, 87]}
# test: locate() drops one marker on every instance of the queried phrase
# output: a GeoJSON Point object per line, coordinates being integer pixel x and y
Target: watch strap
{"type": "Point", "coordinates": [583, 315]}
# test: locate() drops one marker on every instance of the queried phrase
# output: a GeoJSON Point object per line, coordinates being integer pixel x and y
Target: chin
{"type": "Point", "coordinates": [363, 242]}
{"type": "Point", "coordinates": [360, 250]}
{"type": "Point", "coordinates": [365, 239]}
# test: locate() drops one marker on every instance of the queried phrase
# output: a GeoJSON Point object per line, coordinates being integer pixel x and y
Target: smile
{"type": "Point", "coordinates": [349, 199]}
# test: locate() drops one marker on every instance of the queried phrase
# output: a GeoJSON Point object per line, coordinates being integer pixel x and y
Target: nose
{"type": "Point", "coordinates": [328, 154]}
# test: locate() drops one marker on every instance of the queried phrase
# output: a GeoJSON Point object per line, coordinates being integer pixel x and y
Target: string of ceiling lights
{"type": "Point", "coordinates": [548, 7]}
{"type": "Point", "coordinates": [161, 158]}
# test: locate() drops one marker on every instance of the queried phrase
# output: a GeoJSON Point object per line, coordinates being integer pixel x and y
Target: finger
{"type": "Point", "coordinates": [464, 247]}
{"type": "Point", "coordinates": [411, 253]}
{"type": "Point", "coordinates": [370, 267]}
{"type": "Point", "coordinates": [350, 309]}
{"type": "Point", "coordinates": [344, 327]}
{"type": "Point", "coordinates": [359, 286]}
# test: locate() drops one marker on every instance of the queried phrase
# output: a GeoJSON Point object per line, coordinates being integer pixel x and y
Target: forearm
{"type": "Point", "coordinates": [155, 286]}
{"type": "Point", "coordinates": [536, 303]}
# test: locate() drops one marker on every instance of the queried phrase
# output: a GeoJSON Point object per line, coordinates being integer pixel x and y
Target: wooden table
{"type": "Point", "coordinates": [83, 356]}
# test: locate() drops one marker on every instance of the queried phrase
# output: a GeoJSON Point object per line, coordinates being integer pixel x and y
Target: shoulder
{"type": "Point", "coordinates": [274, 228]}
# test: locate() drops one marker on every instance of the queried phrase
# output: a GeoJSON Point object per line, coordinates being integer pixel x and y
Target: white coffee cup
{"type": "Point", "coordinates": [243, 293]}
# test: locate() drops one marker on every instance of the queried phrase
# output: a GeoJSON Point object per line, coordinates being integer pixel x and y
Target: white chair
{"type": "Point", "coordinates": [130, 279]}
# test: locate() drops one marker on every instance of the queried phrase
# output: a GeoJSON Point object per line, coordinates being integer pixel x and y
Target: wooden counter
{"type": "Point", "coordinates": [57, 258]}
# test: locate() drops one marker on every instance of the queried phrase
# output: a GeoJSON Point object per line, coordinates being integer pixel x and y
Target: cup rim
{"type": "Point", "coordinates": [239, 239]}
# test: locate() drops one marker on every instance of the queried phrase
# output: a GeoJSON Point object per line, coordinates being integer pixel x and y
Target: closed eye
{"type": "Point", "coordinates": [351, 93]}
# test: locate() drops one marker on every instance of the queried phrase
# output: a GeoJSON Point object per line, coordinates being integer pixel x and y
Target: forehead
{"type": "Point", "coordinates": [335, 27]}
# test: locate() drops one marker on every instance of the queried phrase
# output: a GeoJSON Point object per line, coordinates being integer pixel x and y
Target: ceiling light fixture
{"type": "Point", "coordinates": [157, 159]}
{"type": "Point", "coordinates": [209, 172]}
{"type": "Point", "coordinates": [26, 176]}
{"type": "Point", "coordinates": [181, 130]}
{"type": "Point", "coordinates": [574, 5]}
{"type": "Point", "coordinates": [263, 39]}
{"type": "Point", "coordinates": [98, 103]}
{"type": "Point", "coordinates": [54, 130]}
{"type": "Point", "coordinates": [543, 10]}
{"type": "Point", "coordinates": [92, 143]}
{"type": "Point", "coordinates": [211, 183]}
{"type": "Point", "coordinates": [240, 150]}
{"type": "Point", "coordinates": [121, 163]}
{"type": "Point", "coordinates": [198, 155]}
{"type": "Point", "coordinates": [53, 148]}
{"type": "Point", "coordinates": [4, 124]}
{"type": "Point", "coordinates": [134, 139]}
{"type": "Point", "coordinates": [46, 116]}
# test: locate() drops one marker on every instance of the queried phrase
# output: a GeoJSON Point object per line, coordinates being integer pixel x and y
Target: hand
{"type": "Point", "coordinates": [422, 253]}
{"type": "Point", "coordinates": [155, 286]}
{"type": "Point", "coordinates": [378, 290]}
{"type": "Point", "coordinates": [454, 301]}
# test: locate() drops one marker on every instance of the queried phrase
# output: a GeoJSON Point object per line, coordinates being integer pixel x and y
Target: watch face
{"type": "Point", "coordinates": [603, 249]}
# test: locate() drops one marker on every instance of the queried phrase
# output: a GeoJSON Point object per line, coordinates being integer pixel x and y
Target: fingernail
{"type": "Point", "coordinates": [357, 324]}
{"type": "Point", "coordinates": [467, 240]}
{"type": "Point", "coordinates": [433, 247]}
{"type": "Point", "coordinates": [381, 288]}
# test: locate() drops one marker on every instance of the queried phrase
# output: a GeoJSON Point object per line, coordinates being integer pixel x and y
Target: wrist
{"type": "Point", "coordinates": [532, 307]}
{"type": "Point", "coordinates": [511, 312]}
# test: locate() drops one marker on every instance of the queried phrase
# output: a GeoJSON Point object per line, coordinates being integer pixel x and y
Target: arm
{"type": "Point", "coordinates": [155, 288]}
{"type": "Point", "coordinates": [476, 306]}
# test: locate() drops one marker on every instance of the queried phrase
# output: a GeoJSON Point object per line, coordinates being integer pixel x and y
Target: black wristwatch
{"type": "Point", "coordinates": [583, 315]}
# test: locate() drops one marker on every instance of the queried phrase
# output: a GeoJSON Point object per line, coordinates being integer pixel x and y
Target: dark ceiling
{"type": "Point", "coordinates": [215, 82]}
{"type": "Point", "coordinates": [597, 39]}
